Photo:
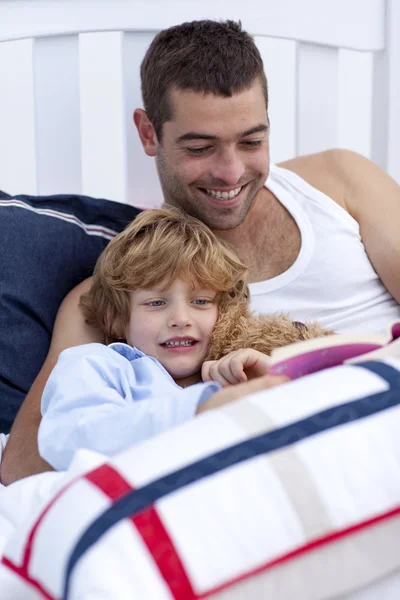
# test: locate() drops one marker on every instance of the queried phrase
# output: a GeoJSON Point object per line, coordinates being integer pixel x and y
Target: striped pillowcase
{"type": "Point", "coordinates": [291, 493]}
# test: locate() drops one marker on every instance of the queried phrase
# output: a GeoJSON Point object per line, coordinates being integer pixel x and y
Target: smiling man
{"type": "Point", "coordinates": [319, 233]}
{"type": "Point", "coordinates": [214, 156]}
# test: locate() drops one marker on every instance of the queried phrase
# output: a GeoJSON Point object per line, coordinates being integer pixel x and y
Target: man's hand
{"type": "Point", "coordinates": [231, 393]}
{"type": "Point", "coordinates": [236, 367]}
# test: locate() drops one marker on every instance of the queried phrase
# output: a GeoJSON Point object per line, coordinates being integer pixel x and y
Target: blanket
{"type": "Point", "coordinates": [290, 493]}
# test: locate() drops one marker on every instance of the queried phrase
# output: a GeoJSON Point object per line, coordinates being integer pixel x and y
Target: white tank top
{"type": "Point", "coordinates": [332, 279]}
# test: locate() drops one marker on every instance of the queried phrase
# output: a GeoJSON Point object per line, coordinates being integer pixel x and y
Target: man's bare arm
{"type": "Point", "coordinates": [21, 456]}
{"type": "Point", "coordinates": [372, 197]}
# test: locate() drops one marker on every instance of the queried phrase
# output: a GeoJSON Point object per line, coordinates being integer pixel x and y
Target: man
{"type": "Point", "coordinates": [321, 240]}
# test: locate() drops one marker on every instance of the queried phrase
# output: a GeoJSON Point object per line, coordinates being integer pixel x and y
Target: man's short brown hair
{"type": "Point", "coordinates": [203, 56]}
{"type": "Point", "coordinates": [159, 246]}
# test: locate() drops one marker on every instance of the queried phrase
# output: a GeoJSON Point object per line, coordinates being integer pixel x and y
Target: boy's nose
{"type": "Point", "coordinates": [179, 319]}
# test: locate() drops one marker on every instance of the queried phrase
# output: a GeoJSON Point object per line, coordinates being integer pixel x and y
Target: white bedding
{"type": "Point", "coordinates": [18, 502]}
{"type": "Point", "coordinates": [313, 513]}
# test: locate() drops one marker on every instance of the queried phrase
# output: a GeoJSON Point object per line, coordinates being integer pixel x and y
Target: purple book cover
{"type": "Point", "coordinates": [321, 358]}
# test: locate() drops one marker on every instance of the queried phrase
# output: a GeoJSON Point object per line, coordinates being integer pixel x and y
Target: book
{"type": "Point", "coordinates": [310, 356]}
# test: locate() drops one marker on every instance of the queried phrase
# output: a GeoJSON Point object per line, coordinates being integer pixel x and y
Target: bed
{"type": "Point", "coordinates": [72, 173]}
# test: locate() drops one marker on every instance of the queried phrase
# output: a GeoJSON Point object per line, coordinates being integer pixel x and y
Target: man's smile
{"type": "Point", "coordinates": [224, 197]}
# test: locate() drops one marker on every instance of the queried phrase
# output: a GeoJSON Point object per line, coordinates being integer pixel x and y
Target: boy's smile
{"type": "Point", "coordinates": [174, 325]}
{"type": "Point", "coordinates": [179, 343]}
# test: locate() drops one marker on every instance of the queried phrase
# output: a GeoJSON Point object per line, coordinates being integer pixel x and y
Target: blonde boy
{"type": "Point", "coordinates": [157, 292]}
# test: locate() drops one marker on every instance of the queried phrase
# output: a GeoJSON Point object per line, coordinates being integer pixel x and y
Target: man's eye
{"type": "Point", "coordinates": [253, 143]}
{"type": "Point", "coordinates": [197, 151]}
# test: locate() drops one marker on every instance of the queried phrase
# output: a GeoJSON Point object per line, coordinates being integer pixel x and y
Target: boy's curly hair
{"type": "Point", "coordinates": [159, 246]}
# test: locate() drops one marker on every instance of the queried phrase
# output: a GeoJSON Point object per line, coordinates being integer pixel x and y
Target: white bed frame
{"type": "Point", "coordinates": [69, 82]}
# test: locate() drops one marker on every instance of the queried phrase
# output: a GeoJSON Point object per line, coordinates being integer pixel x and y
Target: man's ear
{"type": "Point", "coordinates": [146, 132]}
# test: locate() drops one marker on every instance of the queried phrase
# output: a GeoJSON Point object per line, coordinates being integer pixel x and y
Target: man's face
{"type": "Point", "coordinates": [214, 155]}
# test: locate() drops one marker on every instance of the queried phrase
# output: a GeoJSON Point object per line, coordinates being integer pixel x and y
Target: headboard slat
{"type": "Point", "coordinates": [17, 119]}
{"type": "Point", "coordinates": [141, 169]}
{"type": "Point", "coordinates": [316, 98]}
{"type": "Point", "coordinates": [355, 79]}
{"type": "Point", "coordinates": [56, 95]}
{"type": "Point", "coordinates": [280, 63]}
{"type": "Point", "coordinates": [103, 126]}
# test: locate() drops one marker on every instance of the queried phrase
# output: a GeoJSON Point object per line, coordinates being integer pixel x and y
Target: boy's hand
{"type": "Point", "coordinates": [236, 367]}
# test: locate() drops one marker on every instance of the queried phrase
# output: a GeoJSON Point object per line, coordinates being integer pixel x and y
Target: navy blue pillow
{"type": "Point", "coordinates": [48, 245]}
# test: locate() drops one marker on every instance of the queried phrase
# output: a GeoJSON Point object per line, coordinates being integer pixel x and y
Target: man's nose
{"type": "Point", "coordinates": [228, 168]}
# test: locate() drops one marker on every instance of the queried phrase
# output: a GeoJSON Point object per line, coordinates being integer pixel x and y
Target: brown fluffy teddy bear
{"type": "Point", "coordinates": [239, 328]}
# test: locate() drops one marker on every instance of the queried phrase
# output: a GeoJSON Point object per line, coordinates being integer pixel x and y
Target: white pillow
{"type": "Point", "coordinates": [291, 493]}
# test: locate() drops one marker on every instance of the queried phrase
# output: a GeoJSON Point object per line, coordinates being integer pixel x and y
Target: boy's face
{"type": "Point", "coordinates": [174, 325]}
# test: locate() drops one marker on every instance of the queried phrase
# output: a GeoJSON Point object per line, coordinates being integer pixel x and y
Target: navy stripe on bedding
{"type": "Point", "coordinates": [139, 500]}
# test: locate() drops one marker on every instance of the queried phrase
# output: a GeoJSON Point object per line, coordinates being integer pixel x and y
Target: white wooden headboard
{"type": "Point", "coordinates": [69, 82]}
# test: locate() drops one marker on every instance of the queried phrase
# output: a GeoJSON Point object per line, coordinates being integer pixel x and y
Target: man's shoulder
{"type": "Point", "coordinates": [332, 172]}
{"type": "Point", "coordinates": [328, 162]}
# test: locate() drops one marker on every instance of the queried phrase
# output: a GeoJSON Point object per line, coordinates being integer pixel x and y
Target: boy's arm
{"type": "Point", "coordinates": [95, 398]}
{"type": "Point", "coordinates": [21, 457]}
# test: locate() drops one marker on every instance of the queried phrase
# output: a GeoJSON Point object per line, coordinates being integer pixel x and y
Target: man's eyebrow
{"type": "Point", "coordinates": [193, 135]}
{"type": "Point", "coordinates": [256, 129]}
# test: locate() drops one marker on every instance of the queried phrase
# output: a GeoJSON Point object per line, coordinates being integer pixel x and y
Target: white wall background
{"type": "Point", "coordinates": [66, 101]}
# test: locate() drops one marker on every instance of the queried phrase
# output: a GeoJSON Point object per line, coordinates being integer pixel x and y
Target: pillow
{"type": "Point", "coordinates": [290, 493]}
{"type": "Point", "coordinates": [48, 245]}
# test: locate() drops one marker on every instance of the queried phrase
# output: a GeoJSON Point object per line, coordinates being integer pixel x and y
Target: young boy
{"type": "Point", "coordinates": [158, 290]}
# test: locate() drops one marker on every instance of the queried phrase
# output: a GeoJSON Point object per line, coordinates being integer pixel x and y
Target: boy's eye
{"type": "Point", "coordinates": [203, 301]}
{"type": "Point", "coordinates": [155, 303]}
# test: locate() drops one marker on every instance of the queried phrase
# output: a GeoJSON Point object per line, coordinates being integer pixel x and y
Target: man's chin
{"type": "Point", "coordinates": [225, 215]}
{"type": "Point", "coordinates": [224, 222]}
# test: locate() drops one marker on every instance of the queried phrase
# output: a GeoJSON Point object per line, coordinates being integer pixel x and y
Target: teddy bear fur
{"type": "Point", "coordinates": [239, 327]}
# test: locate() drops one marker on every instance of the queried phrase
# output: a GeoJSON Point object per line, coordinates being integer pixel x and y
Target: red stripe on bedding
{"type": "Point", "coordinates": [109, 481]}
{"type": "Point", "coordinates": [164, 553]}
{"type": "Point", "coordinates": [152, 530]}
{"type": "Point", "coordinates": [21, 572]}
{"type": "Point", "coordinates": [311, 546]}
